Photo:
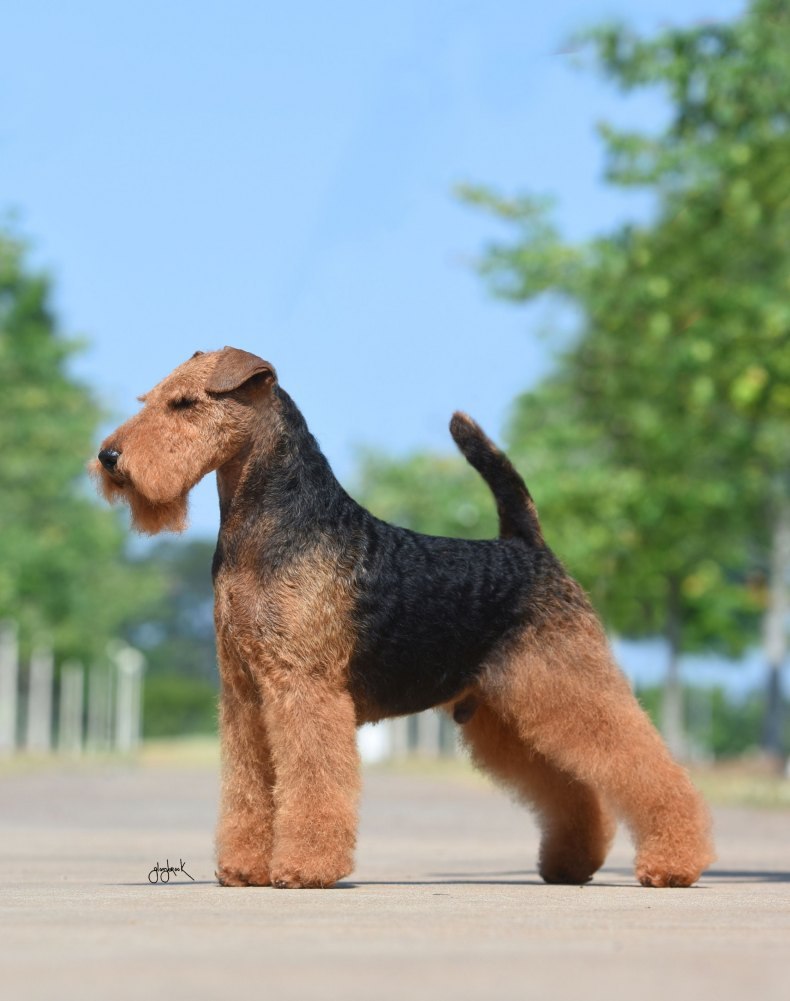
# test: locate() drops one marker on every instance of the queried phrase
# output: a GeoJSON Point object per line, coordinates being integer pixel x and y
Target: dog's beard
{"type": "Point", "coordinates": [152, 518]}
{"type": "Point", "coordinates": [148, 516]}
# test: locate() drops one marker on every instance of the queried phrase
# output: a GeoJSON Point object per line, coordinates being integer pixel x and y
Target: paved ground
{"type": "Point", "coordinates": [445, 903]}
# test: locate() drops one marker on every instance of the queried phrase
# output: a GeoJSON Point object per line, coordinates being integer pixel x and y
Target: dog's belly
{"type": "Point", "coordinates": [398, 678]}
{"type": "Point", "coordinates": [429, 614]}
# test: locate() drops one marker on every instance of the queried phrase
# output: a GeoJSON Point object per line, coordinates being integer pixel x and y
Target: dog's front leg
{"type": "Point", "coordinates": [245, 833]}
{"type": "Point", "coordinates": [312, 729]}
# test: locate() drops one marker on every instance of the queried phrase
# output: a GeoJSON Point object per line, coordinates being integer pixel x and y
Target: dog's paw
{"type": "Point", "coordinates": [243, 875]}
{"type": "Point", "coordinates": [308, 877]}
{"type": "Point", "coordinates": [675, 864]}
{"type": "Point", "coordinates": [670, 869]}
{"type": "Point", "coordinates": [568, 873]}
{"type": "Point", "coordinates": [662, 876]}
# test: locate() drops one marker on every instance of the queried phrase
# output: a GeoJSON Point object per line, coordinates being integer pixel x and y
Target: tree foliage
{"type": "Point", "coordinates": [682, 360]}
{"type": "Point", "coordinates": [659, 451]}
{"type": "Point", "coordinates": [62, 575]}
{"type": "Point", "coordinates": [177, 634]}
{"type": "Point", "coordinates": [427, 492]}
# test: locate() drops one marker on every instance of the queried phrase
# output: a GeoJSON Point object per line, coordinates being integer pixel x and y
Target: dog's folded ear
{"type": "Point", "coordinates": [234, 367]}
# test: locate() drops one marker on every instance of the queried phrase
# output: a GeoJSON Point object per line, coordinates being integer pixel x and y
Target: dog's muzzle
{"type": "Point", "coordinates": [108, 457]}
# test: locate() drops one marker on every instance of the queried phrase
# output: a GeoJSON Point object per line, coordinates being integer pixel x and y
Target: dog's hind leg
{"type": "Point", "coordinates": [576, 827]}
{"type": "Point", "coordinates": [564, 695]}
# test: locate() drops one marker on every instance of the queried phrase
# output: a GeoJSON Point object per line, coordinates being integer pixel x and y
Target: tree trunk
{"type": "Point", "coordinates": [672, 724]}
{"type": "Point", "coordinates": [775, 624]}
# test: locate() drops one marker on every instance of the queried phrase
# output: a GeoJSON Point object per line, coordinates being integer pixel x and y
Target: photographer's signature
{"type": "Point", "coordinates": [161, 873]}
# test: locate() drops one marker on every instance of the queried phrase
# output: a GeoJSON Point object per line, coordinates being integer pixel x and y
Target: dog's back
{"type": "Point", "coordinates": [432, 611]}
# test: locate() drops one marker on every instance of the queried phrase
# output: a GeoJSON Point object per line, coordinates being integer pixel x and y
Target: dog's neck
{"type": "Point", "coordinates": [280, 484]}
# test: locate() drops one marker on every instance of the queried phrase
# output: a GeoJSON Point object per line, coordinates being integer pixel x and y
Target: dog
{"type": "Point", "coordinates": [328, 618]}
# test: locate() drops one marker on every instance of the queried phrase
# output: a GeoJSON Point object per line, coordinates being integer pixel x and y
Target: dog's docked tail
{"type": "Point", "coordinates": [518, 516]}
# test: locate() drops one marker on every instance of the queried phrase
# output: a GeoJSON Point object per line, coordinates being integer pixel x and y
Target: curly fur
{"type": "Point", "coordinates": [327, 617]}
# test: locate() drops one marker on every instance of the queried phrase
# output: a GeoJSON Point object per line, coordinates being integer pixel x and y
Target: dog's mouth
{"type": "Point", "coordinates": [107, 465]}
{"type": "Point", "coordinates": [103, 472]}
{"type": "Point", "coordinates": [148, 516]}
{"type": "Point", "coordinates": [119, 479]}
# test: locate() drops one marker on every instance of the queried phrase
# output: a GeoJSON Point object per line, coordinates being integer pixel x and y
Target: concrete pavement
{"type": "Point", "coordinates": [445, 902]}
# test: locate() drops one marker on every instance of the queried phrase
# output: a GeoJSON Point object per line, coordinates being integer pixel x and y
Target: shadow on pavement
{"type": "Point", "coordinates": [186, 882]}
{"type": "Point", "coordinates": [747, 876]}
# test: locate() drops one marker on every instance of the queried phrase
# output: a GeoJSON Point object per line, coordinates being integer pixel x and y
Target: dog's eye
{"type": "Point", "coordinates": [182, 403]}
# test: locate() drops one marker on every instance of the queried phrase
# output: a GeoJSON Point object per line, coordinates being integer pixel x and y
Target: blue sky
{"type": "Point", "coordinates": [279, 178]}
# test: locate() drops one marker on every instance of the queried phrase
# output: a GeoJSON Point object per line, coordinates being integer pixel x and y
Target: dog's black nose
{"type": "Point", "coordinates": [108, 457]}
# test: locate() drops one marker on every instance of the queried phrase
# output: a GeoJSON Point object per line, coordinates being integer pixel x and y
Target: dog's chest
{"type": "Point", "coordinates": [295, 620]}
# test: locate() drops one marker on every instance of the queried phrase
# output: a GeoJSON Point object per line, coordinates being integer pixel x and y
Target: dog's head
{"type": "Point", "coordinates": [194, 421]}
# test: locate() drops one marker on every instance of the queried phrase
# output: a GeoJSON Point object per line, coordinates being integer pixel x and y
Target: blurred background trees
{"type": "Point", "coordinates": [658, 450]}
{"type": "Point", "coordinates": [67, 577]}
{"type": "Point", "coordinates": [177, 638]}
{"type": "Point", "coordinates": [63, 576]}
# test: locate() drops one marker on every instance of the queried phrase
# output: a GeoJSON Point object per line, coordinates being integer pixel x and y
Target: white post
{"type": "Point", "coordinates": [99, 701]}
{"type": "Point", "coordinates": [428, 742]}
{"type": "Point", "coordinates": [129, 664]}
{"type": "Point", "coordinates": [70, 730]}
{"type": "Point", "coordinates": [39, 703]}
{"type": "Point", "coordinates": [399, 736]}
{"type": "Point", "coordinates": [448, 736]}
{"type": "Point", "coordinates": [9, 675]}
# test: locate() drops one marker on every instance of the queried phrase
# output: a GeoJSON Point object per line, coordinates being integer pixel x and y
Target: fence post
{"type": "Point", "coordinates": [428, 734]}
{"type": "Point", "coordinates": [70, 729]}
{"type": "Point", "coordinates": [399, 737]}
{"type": "Point", "coordinates": [129, 665]}
{"type": "Point", "coordinates": [99, 702]}
{"type": "Point", "coordinates": [39, 703]}
{"type": "Point", "coordinates": [9, 675]}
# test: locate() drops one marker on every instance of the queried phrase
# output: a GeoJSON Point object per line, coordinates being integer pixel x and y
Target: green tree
{"type": "Point", "coordinates": [177, 633]}
{"type": "Point", "coordinates": [682, 356]}
{"type": "Point", "coordinates": [427, 492]}
{"type": "Point", "coordinates": [62, 574]}
{"type": "Point", "coordinates": [177, 638]}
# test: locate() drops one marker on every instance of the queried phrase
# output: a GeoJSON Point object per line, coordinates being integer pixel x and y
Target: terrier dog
{"type": "Point", "coordinates": [327, 618]}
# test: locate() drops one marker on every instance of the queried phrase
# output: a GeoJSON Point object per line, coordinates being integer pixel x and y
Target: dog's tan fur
{"type": "Point", "coordinates": [550, 715]}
